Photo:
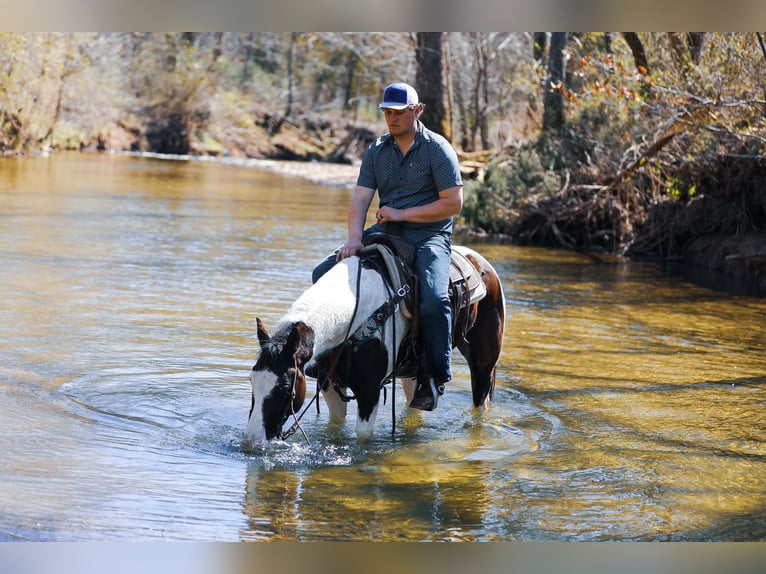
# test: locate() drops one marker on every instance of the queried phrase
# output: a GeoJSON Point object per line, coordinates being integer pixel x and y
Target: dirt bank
{"type": "Point", "coordinates": [742, 257]}
{"type": "Point", "coordinates": [334, 174]}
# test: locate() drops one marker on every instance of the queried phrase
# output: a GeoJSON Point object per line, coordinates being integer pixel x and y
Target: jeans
{"type": "Point", "coordinates": [432, 263]}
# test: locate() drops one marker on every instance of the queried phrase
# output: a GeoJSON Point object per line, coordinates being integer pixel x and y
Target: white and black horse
{"type": "Point", "coordinates": [340, 303]}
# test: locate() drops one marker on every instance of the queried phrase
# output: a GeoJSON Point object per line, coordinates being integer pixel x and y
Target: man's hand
{"type": "Point", "coordinates": [349, 248]}
{"type": "Point", "coordinates": [386, 214]}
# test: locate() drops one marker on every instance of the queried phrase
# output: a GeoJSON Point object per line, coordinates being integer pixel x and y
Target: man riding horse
{"type": "Point", "coordinates": [417, 176]}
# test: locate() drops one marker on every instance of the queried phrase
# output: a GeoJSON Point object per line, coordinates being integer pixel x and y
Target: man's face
{"type": "Point", "coordinates": [401, 122]}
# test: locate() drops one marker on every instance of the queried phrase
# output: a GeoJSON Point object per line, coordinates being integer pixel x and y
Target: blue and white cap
{"type": "Point", "coordinates": [398, 96]}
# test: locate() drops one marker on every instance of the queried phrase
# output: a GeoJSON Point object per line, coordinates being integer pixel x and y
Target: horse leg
{"type": "Point", "coordinates": [335, 404]}
{"type": "Point", "coordinates": [363, 369]}
{"type": "Point", "coordinates": [337, 407]}
{"type": "Point", "coordinates": [408, 385]}
{"type": "Point", "coordinates": [483, 345]}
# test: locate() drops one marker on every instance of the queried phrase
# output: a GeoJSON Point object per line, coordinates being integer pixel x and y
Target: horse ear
{"type": "Point", "coordinates": [263, 336]}
{"type": "Point", "coordinates": [300, 343]}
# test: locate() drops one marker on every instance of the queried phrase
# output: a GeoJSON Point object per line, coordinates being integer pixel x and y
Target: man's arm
{"type": "Point", "coordinates": [450, 203]}
{"type": "Point", "coordinates": [360, 202]}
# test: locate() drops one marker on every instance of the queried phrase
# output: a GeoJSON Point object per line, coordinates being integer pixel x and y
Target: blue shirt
{"type": "Point", "coordinates": [430, 166]}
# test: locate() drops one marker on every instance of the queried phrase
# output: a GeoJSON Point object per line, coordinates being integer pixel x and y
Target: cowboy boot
{"type": "Point", "coordinates": [427, 395]}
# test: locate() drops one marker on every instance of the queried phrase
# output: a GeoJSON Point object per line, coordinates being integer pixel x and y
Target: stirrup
{"type": "Point", "coordinates": [426, 396]}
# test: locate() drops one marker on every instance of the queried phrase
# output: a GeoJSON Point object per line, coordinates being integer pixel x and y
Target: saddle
{"type": "Point", "coordinates": [397, 257]}
{"type": "Point", "coordinates": [394, 258]}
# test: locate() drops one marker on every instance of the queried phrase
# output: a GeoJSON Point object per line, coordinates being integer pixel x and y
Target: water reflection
{"type": "Point", "coordinates": [388, 498]}
{"type": "Point", "coordinates": [629, 403]}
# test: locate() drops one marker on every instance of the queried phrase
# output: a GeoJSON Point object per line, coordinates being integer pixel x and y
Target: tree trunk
{"type": "Point", "coordinates": [608, 42]}
{"type": "Point", "coordinates": [290, 75]}
{"type": "Point", "coordinates": [484, 110]}
{"type": "Point", "coordinates": [248, 52]}
{"type": "Point", "coordinates": [431, 82]}
{"type": "Point", "coordinates": [277, 120]}
{"type": "Point", "coordinates": [637, 48]}
{"type": "Point", "coordinates": [696, 41]}
{"type": "Point", "coordinates": [217, 48]}
{"type": "Point", "coordinates": [540, 43]}
{"type": "Point", "coordinates": [348, 89]}
{"type": "Point", "coordinates": [479, 82]}
{"type": "Point", "coordinates": [553, 96]}
{"type": "Point", "coordinates": [687, 48]}
{"type": "Point", "coordinates": [460, 102]}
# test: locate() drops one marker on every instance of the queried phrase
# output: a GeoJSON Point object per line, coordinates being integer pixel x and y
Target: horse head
{"type": "Point", "coordinates": [277, 379]}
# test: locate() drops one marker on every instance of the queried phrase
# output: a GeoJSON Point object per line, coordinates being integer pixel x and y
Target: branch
{"type": "Point", "coordinates": [650, 152]}
{"type": "Point", "coordinates": [763, 47]}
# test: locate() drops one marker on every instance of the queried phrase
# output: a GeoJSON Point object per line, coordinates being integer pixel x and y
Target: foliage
{"type": "Point", "coordinates": [510, 182]}
{"type": "Point", "coordinates": [638, 147]}
{"type": "Point", "coordinates": [166, 85]}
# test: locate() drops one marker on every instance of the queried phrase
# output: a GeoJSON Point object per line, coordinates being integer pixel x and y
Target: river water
{"type": "Point", "coordinates": [630, 404]}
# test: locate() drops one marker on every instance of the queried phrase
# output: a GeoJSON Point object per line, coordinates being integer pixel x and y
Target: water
{"type": "Point", "coordinates": [630, 404]}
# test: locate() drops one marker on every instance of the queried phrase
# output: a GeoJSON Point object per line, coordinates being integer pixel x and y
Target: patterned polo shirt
{"type": "Point", "coordinates": [430, 166]}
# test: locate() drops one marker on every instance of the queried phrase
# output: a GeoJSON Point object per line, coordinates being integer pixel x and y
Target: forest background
{"type": "Point", "coordinates": [643, 145]}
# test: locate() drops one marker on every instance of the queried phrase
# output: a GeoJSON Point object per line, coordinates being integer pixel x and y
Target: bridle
{"type": "Point", "coordinates": [290, 410]}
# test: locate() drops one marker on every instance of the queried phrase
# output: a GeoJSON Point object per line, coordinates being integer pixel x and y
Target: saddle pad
{"type": "Point", "coordinates": [461, 269]}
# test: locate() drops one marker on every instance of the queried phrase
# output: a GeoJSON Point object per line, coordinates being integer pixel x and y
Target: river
{"type": "Point", "coordinates": [630, 403]}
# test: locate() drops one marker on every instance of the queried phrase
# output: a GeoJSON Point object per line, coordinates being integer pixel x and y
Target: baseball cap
{"type": "Point", "coordinates": [398, 96]}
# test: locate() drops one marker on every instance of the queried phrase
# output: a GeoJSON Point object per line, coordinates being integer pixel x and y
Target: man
{"type": "Point", "coordinates": [417, 176]}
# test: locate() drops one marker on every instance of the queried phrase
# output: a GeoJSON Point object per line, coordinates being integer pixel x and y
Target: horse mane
{"type": "Point", "coordinates": [328, 305]}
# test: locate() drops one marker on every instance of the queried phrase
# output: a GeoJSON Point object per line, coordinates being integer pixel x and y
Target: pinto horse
{"type": "Point", "coordinates": [341, 302]}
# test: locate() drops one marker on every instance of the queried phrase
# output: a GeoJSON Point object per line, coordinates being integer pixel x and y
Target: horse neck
{"type": "Point", "coordinates": [328, 306]}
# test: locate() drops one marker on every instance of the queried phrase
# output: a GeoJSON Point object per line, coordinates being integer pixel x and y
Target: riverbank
{"type": "Point", "coordinates": [323, 173]}
{"type": "Point", "coordinates": [740, 258]}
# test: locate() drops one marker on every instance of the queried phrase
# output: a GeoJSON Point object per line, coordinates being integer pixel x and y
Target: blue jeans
{"type": "Point", "coordinates": [432, 262]}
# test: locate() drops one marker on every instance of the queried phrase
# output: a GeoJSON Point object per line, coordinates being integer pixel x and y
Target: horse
{"type": "Point", "coordinates": [347, 300]}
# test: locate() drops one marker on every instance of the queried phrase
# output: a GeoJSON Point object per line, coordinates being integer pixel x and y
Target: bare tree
{"type": "Point", "coordinates": [431, 80]}
{"type": "Point", "coordinates": [481, 92]}
{"type": "Point", "coordinates": [637, 49]}
{"type": "Point", "coordinates": [553, 93]}
{"type": "Point", "coordinates": [686, 48]}
{"type": "Point", "coordinates": [539, 46]}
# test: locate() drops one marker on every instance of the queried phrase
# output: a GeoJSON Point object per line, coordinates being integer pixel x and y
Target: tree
{"type": "Point", "coordinates": [637, 49]}
{"type": "Point", "coordinates": [431, 79]}
{"type": "Point", "coordinates": [481, 92]}
{"type": "Point", "coordinates": [553, 93]}
{"type": "Point", "coordinates": [539, 45]}
{"type": "Point", "coordinates": [686, 48]}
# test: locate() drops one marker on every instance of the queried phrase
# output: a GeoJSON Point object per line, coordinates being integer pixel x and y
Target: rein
{"type": "Point", "coordinates": [297, 424]}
